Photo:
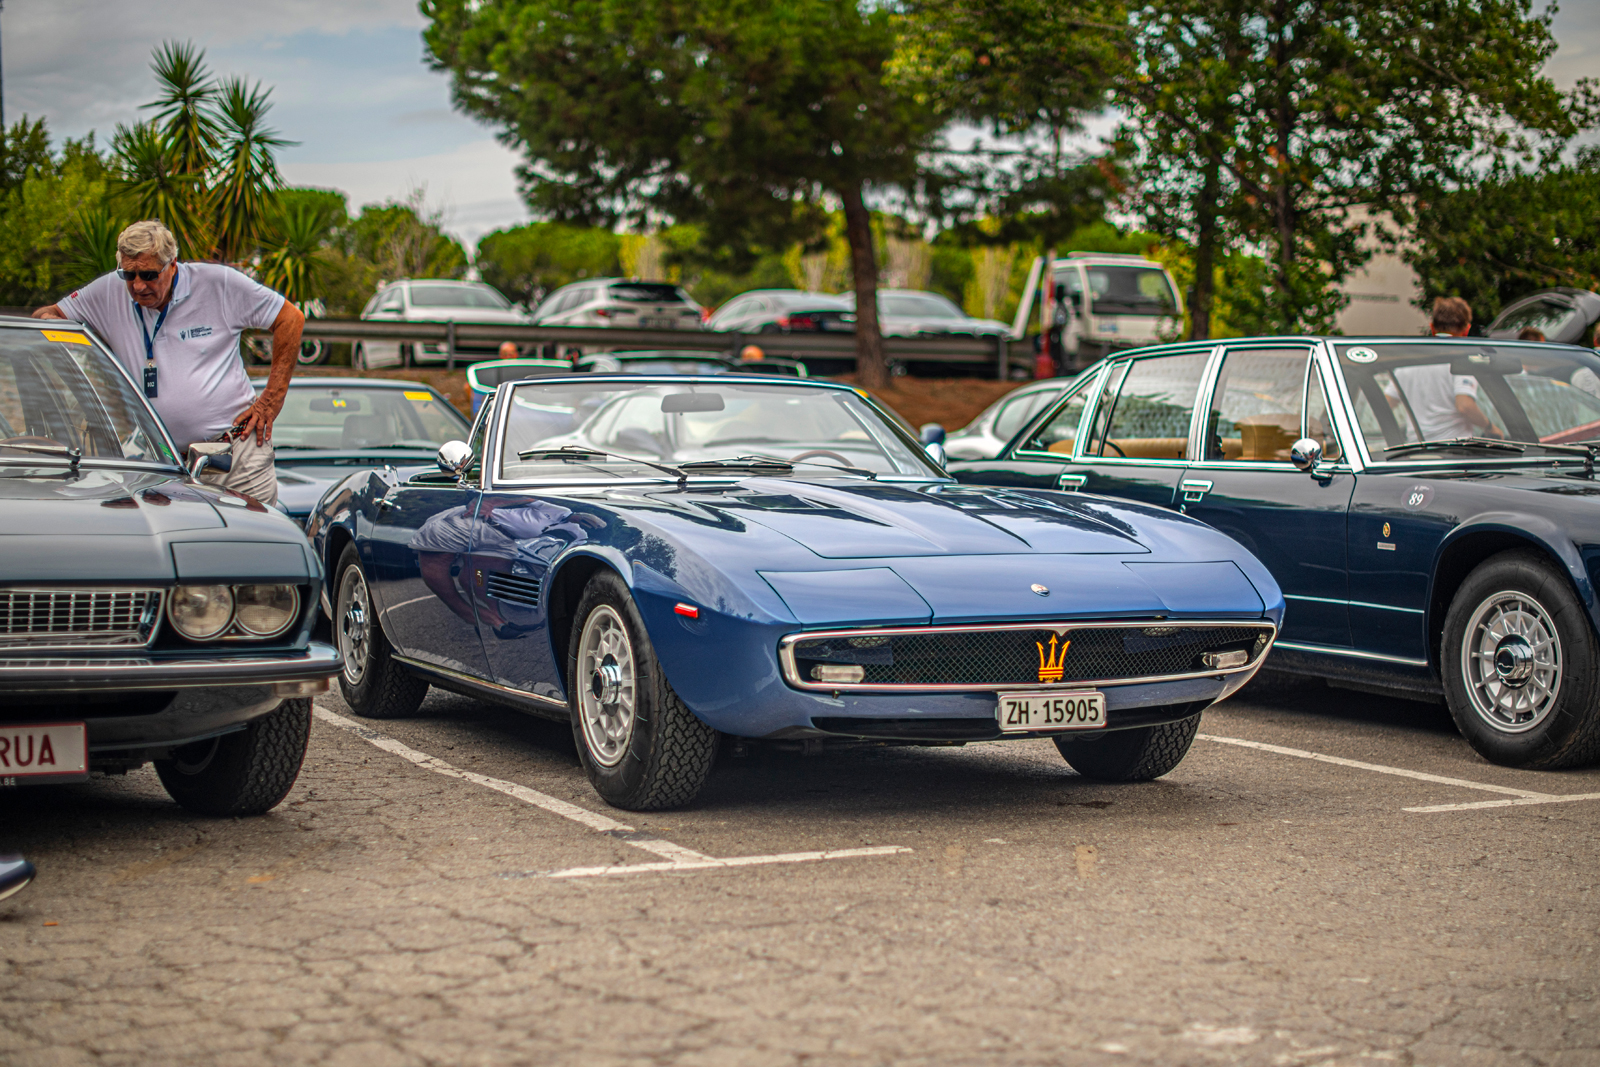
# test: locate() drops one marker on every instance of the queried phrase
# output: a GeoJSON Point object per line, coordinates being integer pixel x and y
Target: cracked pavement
{"type": "Point", "coordinates": [1247, 909]}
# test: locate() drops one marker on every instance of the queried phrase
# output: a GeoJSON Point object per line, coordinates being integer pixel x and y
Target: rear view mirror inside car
{"type": "Point", "coordinates": [677, 403]}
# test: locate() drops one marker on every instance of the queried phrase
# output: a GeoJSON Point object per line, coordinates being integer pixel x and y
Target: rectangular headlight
{"type": "Point", "coordinates": [831, 672]}
{"type": "Point", "coordinates": [1223, 660]}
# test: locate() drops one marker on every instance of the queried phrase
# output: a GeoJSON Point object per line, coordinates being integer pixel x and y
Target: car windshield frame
{"type": "Point", "coordinates": [881, 431]}
{"type": "Point", "coordinates": [136, 404]}
{"type": "Point", "coordinates": [405, 392]}
{"type": "Point", "coordinates": [1394, 353]}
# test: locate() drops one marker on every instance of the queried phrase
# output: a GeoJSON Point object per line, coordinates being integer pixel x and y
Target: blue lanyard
{"type": "Point", "coordinates": [150, 335]}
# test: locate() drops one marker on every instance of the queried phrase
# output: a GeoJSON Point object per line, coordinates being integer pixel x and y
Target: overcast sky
{"type": "Point", "coordinates": [348, 83]}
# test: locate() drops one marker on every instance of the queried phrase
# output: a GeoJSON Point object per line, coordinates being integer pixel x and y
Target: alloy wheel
{"type": "Point", "coordinates": [1511, 662]}
{"type": "Point", "coordinates": [353, 622]}
{"type": "Point", "coordinates": [607, 681]}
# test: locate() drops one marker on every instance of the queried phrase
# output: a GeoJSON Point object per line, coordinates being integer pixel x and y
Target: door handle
{"type": "Point", "coordinates": [1071, 482]}
{"type": "Point", "coordinates": [1194, 489]}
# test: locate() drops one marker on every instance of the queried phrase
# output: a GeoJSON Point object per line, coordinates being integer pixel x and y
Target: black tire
{"type": "Point", "coordinates": [662, 755]}
{"type": "Point", "coordinates": [1562, 728]}
{"type": "Point", "coordinates": [373, 682]}
{"type": "Point", "coordinates": [358, 357]}
{"type": "Point", "coordinates": [244, 773]}
{"type": "Point", "coordinates": [312, 353]}
{"type": "Point", "coordinates": [1136, 755]}
{"type": "Point", "coordinates": [408, 356]}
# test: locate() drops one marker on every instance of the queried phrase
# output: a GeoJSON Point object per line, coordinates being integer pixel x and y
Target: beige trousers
{"type": "Point", "coordinates": [252, 473]}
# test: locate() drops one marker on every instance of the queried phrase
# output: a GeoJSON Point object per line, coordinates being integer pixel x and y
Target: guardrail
{"type": "Point", "coordinates": [1002, 353]}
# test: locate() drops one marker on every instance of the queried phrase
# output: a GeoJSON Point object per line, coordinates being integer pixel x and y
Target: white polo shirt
{"type": "Point", "coordinates": [201, 384]}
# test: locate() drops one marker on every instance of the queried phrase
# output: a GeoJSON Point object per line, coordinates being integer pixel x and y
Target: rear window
{"type": "Point", "coordinates": [645, 293]}
{"type": "Point", "coordinates": [456, 296]}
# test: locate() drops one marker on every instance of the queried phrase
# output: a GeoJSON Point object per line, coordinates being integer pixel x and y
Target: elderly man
{"type": "Point", "coordinates": [1445, 404]}
{"type": "Point", "coordinates": [176, 327]}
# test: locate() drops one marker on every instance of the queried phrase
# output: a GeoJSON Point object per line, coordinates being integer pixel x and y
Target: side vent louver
{"type": "Point", "coordinates": [515, 588]}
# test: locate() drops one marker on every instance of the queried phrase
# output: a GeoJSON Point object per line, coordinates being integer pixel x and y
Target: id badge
{"type": "Point", "coordinates": [150, 379]}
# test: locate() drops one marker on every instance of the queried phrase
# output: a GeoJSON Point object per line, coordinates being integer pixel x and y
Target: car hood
{"type": "Point", "coordinates": [100, 503]}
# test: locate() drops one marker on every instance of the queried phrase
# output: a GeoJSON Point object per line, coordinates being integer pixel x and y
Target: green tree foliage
{"type": "Point", "coordinates": [404, 239]}
{"type": "Point", "coordinates": [43, 197]}
{"type": "Point", "coordinates": [730, 114]}
{"type": "Point", "coordinates": [151, 183]}
{"type": "Point", "coordinates": [526, 262]}
{"type": "Point", "coordinates": [1510, 234]}
{"type": "Point", "coordinates": [244, 169]}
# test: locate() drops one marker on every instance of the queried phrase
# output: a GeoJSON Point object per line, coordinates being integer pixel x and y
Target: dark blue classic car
{"type": "Point", "coordinates": [143, 615]}
{"type": "Point", "coordinates": [1428, 506]}
{"type": "Point", "coordinates": [660, 560]}
{"type": "Point", "coordinates": [331, 427]}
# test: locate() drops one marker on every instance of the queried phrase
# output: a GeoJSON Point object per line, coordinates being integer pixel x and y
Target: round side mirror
{"type": "Point", "coordinates": [454, 457]}
{"type": "Point", "coordinates": [1306, 454]}
{"type": "Point", "coordinates": [936, 453]}
{"type": "Point", "coordinates": [931, 433]}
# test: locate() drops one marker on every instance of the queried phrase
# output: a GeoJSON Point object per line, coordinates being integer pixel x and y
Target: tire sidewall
{"type": "Point", "coordinates": [627, 782]}
{"type": "Point", "coordinates": [1545, 744]}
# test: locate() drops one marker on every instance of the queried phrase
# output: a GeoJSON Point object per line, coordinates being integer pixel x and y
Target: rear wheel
{"type": "Point", "coordinates": [641, 747]}
{"type": "Point", "coordinates": [244, 773]}
{"type": "Point", "coordinates": [358, 357]}
{"type": "Point", "coordinates": [374, 683]}
{"type": "Point", "coordinates": [1520, 665]}
{"type": "Point", "coordinates": [1136, 755]}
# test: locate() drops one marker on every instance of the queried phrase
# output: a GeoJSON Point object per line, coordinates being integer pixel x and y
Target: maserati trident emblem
{"type": "Point", "coordinates": [1042, 590]}
{"type": "Point", "coordinates": [1050, 661]}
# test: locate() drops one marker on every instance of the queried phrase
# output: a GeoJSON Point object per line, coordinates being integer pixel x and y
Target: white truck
{"type": "Point", "coordinates": [1102, 302]}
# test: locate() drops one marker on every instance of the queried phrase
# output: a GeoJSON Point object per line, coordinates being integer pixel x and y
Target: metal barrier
{"type": "Point", "coordinates": [1002, 353]}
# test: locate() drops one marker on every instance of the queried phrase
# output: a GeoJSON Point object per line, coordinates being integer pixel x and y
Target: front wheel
{"type": "Point", "coordinates": [373, 682]}
{"type": "Point", "coordinates": [641, 747]}
{"type": "Point", "coordinates": [1136, 755]}
{"type": "Point", "coordinates": [244, 773]}
{"type": "Point", "coordinates": [1520, 663]}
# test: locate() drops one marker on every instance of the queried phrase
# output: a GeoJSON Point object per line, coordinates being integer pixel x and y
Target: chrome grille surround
{"type": "Point", "coordinates": [66, 617]}
{"type": "Point", "coordinates": [1261, 634]}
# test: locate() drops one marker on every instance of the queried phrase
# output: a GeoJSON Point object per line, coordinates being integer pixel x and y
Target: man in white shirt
{"type": "Point", "coordinates": [1445, 404]}
{"type": "Point", "coordinates": [175, 327]}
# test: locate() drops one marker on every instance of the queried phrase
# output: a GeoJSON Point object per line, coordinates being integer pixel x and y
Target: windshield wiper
{"type": "Point", "coordinates": [584, 452]}
{"type": "Point", "coordinates": [1587, 451]}
{"type": "Point", "coordinates": [1492, 443]}
{"type": "Point", "coordinates": [870, 475]}
{"type": "Point", "coordinates": [66, 452]}
{"type": "Point", "coordinates": [756, 464]}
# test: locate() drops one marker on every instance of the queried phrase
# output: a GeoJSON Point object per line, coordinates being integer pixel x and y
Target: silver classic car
{"type": "Point", "coordinates": [143, 615]}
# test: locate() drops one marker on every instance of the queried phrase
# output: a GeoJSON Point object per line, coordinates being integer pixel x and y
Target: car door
{"type": "Point", "coordinates": [418, 565]}
{"type": "Point", "coordinates": [1131, 439]}
{"type": "Point", "coordinates": [1265, 398]}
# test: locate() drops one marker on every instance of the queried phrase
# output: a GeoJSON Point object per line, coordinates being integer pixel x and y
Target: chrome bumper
{"type": "Point", "coordinates": [62, 675]}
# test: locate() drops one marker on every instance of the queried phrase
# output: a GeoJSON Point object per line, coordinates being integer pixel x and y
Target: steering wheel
{"type": "Point", "coordinates": [1109, 443]}
{"type": "Point", "coordinates": [820, 452]}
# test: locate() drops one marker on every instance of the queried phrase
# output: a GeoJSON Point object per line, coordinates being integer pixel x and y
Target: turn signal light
{"type": "Point", "coordinates": [831, 672]}
{"type": "Point", "coordinates": [1223, 660]}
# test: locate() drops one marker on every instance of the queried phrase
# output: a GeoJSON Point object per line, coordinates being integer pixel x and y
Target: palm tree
{"type": "Point", "coordinates": [186, 101]}
{"type": "Point", "coordinates": [93, 245]}
{"type": "Point", "coordinates": [289, 261]}
{"type": "Point", "coordinates": [245, 173]}
{"type": "Point", "coordinates": [154, 185]}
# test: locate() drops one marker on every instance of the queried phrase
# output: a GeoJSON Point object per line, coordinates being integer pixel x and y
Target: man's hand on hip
{"type": "Point", "coordinates": [259, 417]}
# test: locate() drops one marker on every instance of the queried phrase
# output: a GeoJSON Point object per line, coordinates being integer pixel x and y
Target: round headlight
{"type": "Point", "coordinates": [201, 612]}
{"type": "Point", "coordinates": [266, 610]}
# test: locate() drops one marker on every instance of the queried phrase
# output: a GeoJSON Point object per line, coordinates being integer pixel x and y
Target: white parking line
{"type": "Point", "coordinates": [1521, 797]}
{"type": "Point", "coordinates": [678, 858]}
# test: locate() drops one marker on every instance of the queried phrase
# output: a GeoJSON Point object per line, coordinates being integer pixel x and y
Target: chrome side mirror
{"type": "Point", "coordinates": [454, 457]}
{"type": "Point", "coordinates": [1306, 454]}
{"type": "Point", "coordinates": [931, 433]}
{"type": "Point", "coordinates": [936, 453]}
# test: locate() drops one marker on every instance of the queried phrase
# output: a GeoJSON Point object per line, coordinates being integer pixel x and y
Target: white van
{"type": "Point", "coordinates": [1109, 301]}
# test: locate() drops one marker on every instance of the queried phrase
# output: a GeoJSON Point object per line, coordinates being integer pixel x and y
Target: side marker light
{"type": "Point", "coordinates": [688, 611]}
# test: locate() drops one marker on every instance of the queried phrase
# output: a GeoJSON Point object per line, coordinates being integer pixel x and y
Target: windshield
{"type": "Point", "coordinates": [1411, 393]}
{"type": "Point", "coordinates": [1131, 291]}
{"type": "Point", "coordinates": [341, 418]}
{"type": "Point", "coordinates": [645, 293]}
{"type": "Point", "coordinates": [57, 390]}
{"type": "Point", "coordinates": [919, 306]}
{"type": "Point", "coordinates": [457, 296]}
{"type": "Point", "coordinates": [684, 422]}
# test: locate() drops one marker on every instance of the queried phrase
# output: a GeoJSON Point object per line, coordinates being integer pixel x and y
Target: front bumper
{"type": "Point", "coordinates": [98, 674]}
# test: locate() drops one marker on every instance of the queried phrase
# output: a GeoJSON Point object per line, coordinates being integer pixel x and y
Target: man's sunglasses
{"type": "Point", "coordinates": [142, 275]}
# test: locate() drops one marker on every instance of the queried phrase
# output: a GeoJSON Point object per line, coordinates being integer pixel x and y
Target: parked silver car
{"type": "Point", "coordinates": [913, 312]}
{"type": "Point", "coordinates": [985, 436]}
{"type": "Point", "coordinates": [784, 311]}
{"type": "Point", "coordinates": [618, 302]}
{"type": "Point", "coordinates": [433, 300]}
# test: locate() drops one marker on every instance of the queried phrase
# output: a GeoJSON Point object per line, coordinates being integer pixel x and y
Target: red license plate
{"type": "Point", "coordinates": [43, 752]}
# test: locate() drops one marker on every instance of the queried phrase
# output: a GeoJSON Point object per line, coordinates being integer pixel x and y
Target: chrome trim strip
{"type": "Point", "coordinates": [1328, 650]}
{"type": "Point", "coordinates": [791, 673]}
{"type": "Point", "coordinates": [475, 682]}
{"type": "Point", "coordinates": [53, 674]}
{"type": "Point", "coordinates": [1352, 603]}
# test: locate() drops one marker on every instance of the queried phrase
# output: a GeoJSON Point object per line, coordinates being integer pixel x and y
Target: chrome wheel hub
{"type": "Point", "coordinates": [351, 615]}
{"type": "Point", "coordinates": [1511, 662]}
{"type": "Point", "coordinates": [606, 704]}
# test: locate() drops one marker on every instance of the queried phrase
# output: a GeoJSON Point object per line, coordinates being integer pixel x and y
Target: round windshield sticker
{"type": "Point", "coordinates": [1418, 496]}
{"type": "Point", "coordinates": [1361, 355]}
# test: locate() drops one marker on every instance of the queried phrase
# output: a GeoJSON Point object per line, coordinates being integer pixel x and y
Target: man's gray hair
{"type": "Point", "coordinates": [148, 238]}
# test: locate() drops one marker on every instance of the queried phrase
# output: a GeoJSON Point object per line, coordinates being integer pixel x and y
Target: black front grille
{"type": "Point", "coordinates": [980, 657]}
{"type": "Point", "coordinates": [514, 587]}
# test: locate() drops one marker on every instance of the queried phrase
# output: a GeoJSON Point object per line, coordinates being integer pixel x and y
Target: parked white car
{"type": "Point", "coordinates": [433, 300]}
{"type": "Point", "coordinates": [621, 303]}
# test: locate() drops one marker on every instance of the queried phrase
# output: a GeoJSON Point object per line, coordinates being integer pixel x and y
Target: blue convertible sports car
{"type": "Point", "coordinates": [662, 560]}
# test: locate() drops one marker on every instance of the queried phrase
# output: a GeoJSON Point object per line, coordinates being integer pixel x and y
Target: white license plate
{"type": "Point", "coordinates": [57, 749]}
{"type": "Point", "coordinates": [657, 322]}
{"type": "Point", "coordinates": [1072, 709]}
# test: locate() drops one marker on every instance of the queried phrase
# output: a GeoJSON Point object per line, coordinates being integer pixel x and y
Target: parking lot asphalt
{"type": "Point", "coordinates": [1328, 878]}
